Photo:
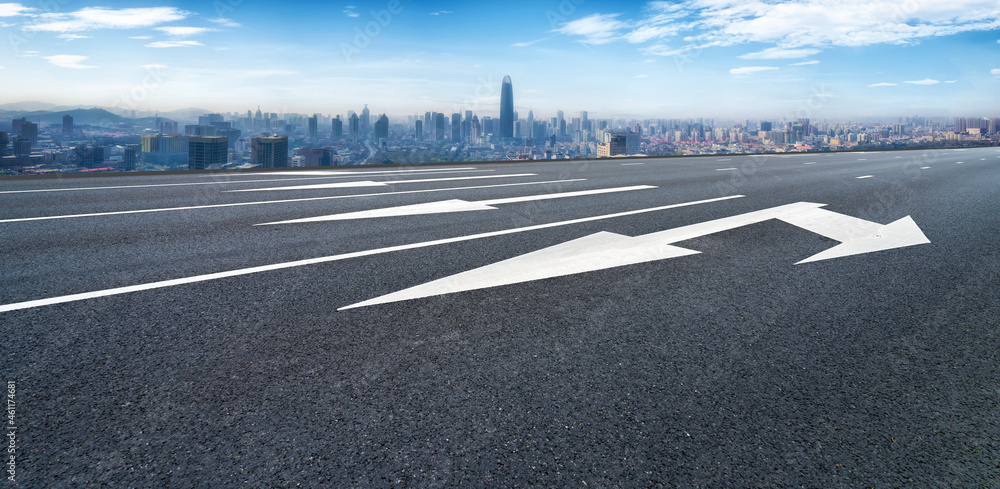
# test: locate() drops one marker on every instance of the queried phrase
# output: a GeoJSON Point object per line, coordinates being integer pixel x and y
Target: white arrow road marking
{"type": "Point", "coordinates": [454, 205]}
{"type": "Point", "coordinates": [312, 261]}
{"type": "Point", "coordinates": [608, 250]}
{"type": "Point", "coordinates": [368, 183]}
{"type": "Point", "coordinates": [285, 201]}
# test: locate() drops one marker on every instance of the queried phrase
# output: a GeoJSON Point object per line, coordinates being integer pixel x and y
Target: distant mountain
{"type": "Point", "coordinates": [188, 114]}
{"type": "Point", "coordinates": [93, 116]}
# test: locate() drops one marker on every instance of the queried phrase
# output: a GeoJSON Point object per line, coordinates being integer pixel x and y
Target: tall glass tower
{"type": "Point", "coordinates": [506, 108]}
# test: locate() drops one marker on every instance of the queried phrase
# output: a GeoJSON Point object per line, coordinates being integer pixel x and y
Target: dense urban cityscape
{"type": "Point", "coordinates": [109, 139]}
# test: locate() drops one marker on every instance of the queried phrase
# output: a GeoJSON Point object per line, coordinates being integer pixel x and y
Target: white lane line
{"type": "Point", "coordinates": [463, 170]}
{"type": "Point", "coordinates": [312, 261]}
{"type": "Point", "coordinates": [351, 173]}
{"type": "Point", "coordinates": [865, 176]}
{"type": "Point", "coordinates": [959, 162]}
{"type": "Point", "coordinates": [455, 205]}
{"type": "Point", "coordinates": [371, 183]}
{"type": "Point", "coordinates": [725, 169]}
{"type": "Point", "coordinates": [285, 201]}
{"type": "Point", "coordinates": [724, 159]}
{"type": "Point", "coordinates": [862, 159]}
{"type": "Point", "coordinates": [925, 168]}
{"type": "Point", "coordinates": [632, 164]}
{"type": "Point", "coordinates": [809, 163]}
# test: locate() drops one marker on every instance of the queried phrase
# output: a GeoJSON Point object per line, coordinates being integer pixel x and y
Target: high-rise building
{"type": "Point", "coordinates": [475, 130]}
{"type": "Point", "coordinates": [456, 127]}
{"type": "Point", "coordinates": [382, 129]}
{"type": "Point", "coordinates": [169, 151]}
{"type": "Point", "coordinates": [506, 108]}
{"type": "Point", "coordinates": [204, 152]}
{"type": "Point", "coordinates": [269, 151]}
{"type": "Point", "coordinates": [4, 143]}
{"type": "Point", "coordinates": [438, 126]}
{"type": "Point", "coordinates": [418, 132]}
{"type": "Point", "coordinates": [354, 127]}
{"type": "Point", "coordinates": [29, 131]}
{"type": "Point", "coordinates": [765, 126]}
{"type": "Point", "coordinates": [130, 157]}
{"type": "Point", "coordinates": [89, 156]}
{"type": "Point", "coordinates": [67, 127]}
{"type": "Point", "coordinates": [365, 121]}
{"type": "Point", "coordinates": [15, 127]}
{"type": "Point", "coordinates": [21, 147]}
{"type": "Point", "coordinates": [614, 145]}
{"type": "Point", "coordinates": [313, 124]}
{"type": "Point", "coordinates": [338, 128]}
{"type": "Point", "coordinates": [200, 130]}
{"type": "Point", "coordinates": [316, 156]}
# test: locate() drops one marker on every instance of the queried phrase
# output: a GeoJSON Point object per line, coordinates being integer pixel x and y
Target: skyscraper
{"type": "Point", "coordinates": [438, 126]}
{"type": "Point", "coordinates": [313, 126]}
{"type": "Point", "coordinates": [269, 152]}
{"type": "Point", "coordinates": [353, 127]}
{"type": "Point", "coordinates": [130, 157]}
{"type": "Point", "coordinates": [338, 128]}
{"type": "Point", "coordinates": [67, 127]}
{"type": "Point", "coordinates": [206, 151]}
{"type": "Point", "coordinates": [419, 130]}
{"type": "Point", "coordinates": [381, 129]}
{"type": "Point", "coordinates": [456, 127]}
{"type": "Point", "coordinates": [506, 108]}
{"type": "Point", "coordinates": [365, 121]}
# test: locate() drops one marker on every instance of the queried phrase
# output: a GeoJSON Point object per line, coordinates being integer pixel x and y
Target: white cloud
{"type": "Point", "coordinates": [103, 18]}
{"type": "Point", "coordinates": [995, 71]}
{"type": "Point", "coordinates": [804, 63]}
{"type": "Point", "coordinates": [882, 84]}
{"type": "Point", "coordinates": [951, 81]}
{"type": "Point", "coordinates": [442, 12]}
{"type": "Point", "coordinates": [749, 70]}
{"type": "Point", "coordinates": [13, 9]}
{"type": "Point", "coordinates": [351, 11]}
{"type": "Point", "coordinates": [173, 44]}
{"type": "Point", "coordinates": [72, 37]}
{"type": "Point", "coordinates": [184, 31]}
{"type": "Point", "coordinates": [780, 53]}
{"type": "Point", "coordinates": [68, 61]}
{"type": "Point", "coordinates": [794, 28]}
{"type": "Point", "coordinates": [641, 76]}
{"type": "Point", "coordinates": [140, 37]}
{"type": "Point", "coordinates": [225, 22]}
{"type": "Point", "coordinates": [261, 73]}
{"type": "Point", "coordinates": [154, 67]}
{"type": "Point", "coordinates": [925, 81]}
{"type": "Point", "coordinates": [594, 29]}
{"type": "Point", "coordinates": [529, 43]}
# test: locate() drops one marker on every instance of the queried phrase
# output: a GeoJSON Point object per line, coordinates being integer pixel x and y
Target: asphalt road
{"type": "Point", "coordinates": [733, 367]}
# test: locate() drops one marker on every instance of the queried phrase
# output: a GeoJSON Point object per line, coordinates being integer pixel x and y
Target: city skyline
{"type": "Point", "coordinates": [630, 60]}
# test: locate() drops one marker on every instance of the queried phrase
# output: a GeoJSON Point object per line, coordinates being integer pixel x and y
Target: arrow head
{"type": "Point", "coordinates": [898, 234]}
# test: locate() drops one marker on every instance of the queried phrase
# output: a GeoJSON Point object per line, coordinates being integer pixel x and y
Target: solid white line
{"type": "Point", "coordinates": [631, 164]}
{"type": "Point", "coordinates": [925, 168]}
{"type": "Point", "coordinates": [212, 206]}
{"type": "Point", "coordinates": [312, 261]}
{"type": "Point", "coordinates": [371, 183]}
{"type": "Point", "coordinates": [865, 176]}
{"type": "Point", "coordinates": [725, 169]}
{"type": "Point", "coordinates": [461, 170]}
{"type": "Point", "coordinates": [809, 163]}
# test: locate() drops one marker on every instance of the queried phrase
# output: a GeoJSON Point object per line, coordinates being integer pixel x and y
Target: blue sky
{"type": "Point", "coordinates": [693, 58]}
